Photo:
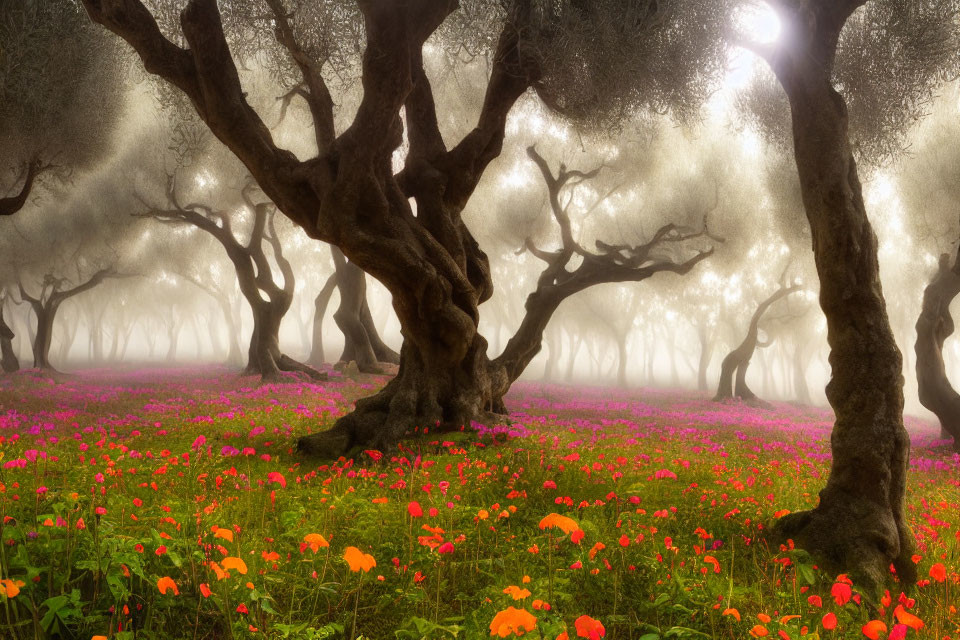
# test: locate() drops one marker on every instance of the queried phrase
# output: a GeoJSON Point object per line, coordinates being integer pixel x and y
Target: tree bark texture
{"type": "Point", "coordinates": [361, 341]}
{"type": "Point", "coordinates": [934, 326]}
{"type": "Point", "coordinates": [349, 196]}
{"type": "Point", "coordinates": [859, 525]}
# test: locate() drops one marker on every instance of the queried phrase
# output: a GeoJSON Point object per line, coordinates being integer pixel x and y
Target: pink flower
{"type": "Point", "coordinates": [446, 547]}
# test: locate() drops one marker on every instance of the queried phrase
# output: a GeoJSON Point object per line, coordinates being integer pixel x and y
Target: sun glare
{"type": "Point", "coordinates": [759, 23]}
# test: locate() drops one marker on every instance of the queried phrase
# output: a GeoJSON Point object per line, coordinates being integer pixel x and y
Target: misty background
{"type": "Point", "coordinates": [127, 148]}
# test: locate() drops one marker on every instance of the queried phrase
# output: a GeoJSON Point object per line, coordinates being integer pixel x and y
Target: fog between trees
{"type": "Point", "coordinates": [720, 155]}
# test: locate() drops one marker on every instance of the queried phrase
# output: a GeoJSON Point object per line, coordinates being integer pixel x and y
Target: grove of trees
{"type": "Point", "coordinates": [533, 157]}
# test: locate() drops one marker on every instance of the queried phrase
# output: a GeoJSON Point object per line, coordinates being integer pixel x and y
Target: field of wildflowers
{"type": "Point", "coordinates": [171, 504]}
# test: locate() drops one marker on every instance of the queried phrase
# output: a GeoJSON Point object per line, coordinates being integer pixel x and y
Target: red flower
{"type": "Point", "coordinates": [841, 593]}
{"type": "Point", "coordinates": [276, 476]}
{"type": "Point", "coordinates": [829, 621]}
{"type": "Point", "coordinates": [414, 509]}
{"type": "Point", "coordinates": [588, 627]}
{"type": "Point", "coordinates": [938, 572]}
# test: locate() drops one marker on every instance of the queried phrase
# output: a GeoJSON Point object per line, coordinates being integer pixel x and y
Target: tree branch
{"type": "Point", "coordinates": [207, 74]}
{"type": "Point", "coordinates": [12, 204]}
{"type": "Point", "coordinates": [318, 95]}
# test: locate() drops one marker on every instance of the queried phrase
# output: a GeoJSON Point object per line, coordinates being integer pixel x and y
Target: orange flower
{"type": "Point", "coordinates": [588, 627]}
{"type": "Point", "coordinates": [764, 618]}
{"type": "Point", "coordinates": [873, 629]}
{"type": "Point", "coordinates": [234, 563]}
{"type": "Point", "coordinates": [516, 592]}
{"type": "Point", "coordinates": [221, 574]}
{"type": "Point", "coordinates": [165, 583]}
{"type": "Point", "coordinates": [358, 559]}
{"type": "Point", "coordinates": [712, 561]}
{"type": "Point", "coordinates": [906, 618]}
{"type": "Point", "coordinates": [99, 638]}
{"type": "Point", "coordinates": [563, 523]}
{"type": "Point", "coordinates": [315, 541]}
{"type": "Point", "coordinates": [226, 534]}
{"type": "Point", "coordinates": [732, 612]}
{"type": "Point", "coordinates": [596, 549]}
{"type": "Point", "coordinates": [511, 620]}
{"type": "Point", "coordinates": [10, 587]}
{"type": "Point", "coordinates": [786, 619]}
{"type": "Point", "coordinates": [759, 631]}
{"type": "Point", "coordinates": [938, 572]}
{"type": "Point", "coordinates": [205, 590]}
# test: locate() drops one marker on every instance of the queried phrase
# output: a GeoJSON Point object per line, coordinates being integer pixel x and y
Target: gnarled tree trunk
{"type": "Point", "coordinates": [362, 343]}
{"type": "Point", "coordinates": [350, 196]}
{"type": "Point", "coordinates": [268, 301]}
{"type": "Point", "coordinates": [934, 326]}
{"type": "Point", "coordinates": [45, 306]}
{"type": "Point", "coordinates": [859, 526]}
{"type": "Point", "coordinates": [733, 369]}
{"type": "Point", "coordinates": [8, 358]}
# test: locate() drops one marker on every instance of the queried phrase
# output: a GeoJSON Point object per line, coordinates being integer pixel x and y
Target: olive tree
{"type": "Point", "coordinates": [855, 74]}
{"type": "Point", "coordinates": [403, 225]}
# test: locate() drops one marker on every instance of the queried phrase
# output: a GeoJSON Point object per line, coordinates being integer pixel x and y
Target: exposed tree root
{"type": "Point", "coordinates": [854, 536]}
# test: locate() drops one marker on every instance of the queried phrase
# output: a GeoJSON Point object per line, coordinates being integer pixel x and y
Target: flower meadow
{"type": "Point", "coordinates": [172, 504]}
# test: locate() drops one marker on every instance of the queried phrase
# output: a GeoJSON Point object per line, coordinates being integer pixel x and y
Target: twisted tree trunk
{"type": "Point", "coordinates": [859, 525]}
{"type": "Point", "coordinates": [8, 358]}
{"type": "Point", "coordinates": [934, 326]}
{"type": "Point", "coordinates": [733, 369]}
{"type": "Point", "coordinates": [350, 196]}
{"type": "Point", "coordinates": [45, 306]}
{"type": "Point", "coordinates": [362, 343]}
{"type": "Point", "coordinates": [268, 301]}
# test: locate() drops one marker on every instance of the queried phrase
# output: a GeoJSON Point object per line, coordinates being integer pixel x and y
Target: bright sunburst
{"type": "Point", "coordinates": [759, 23]}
